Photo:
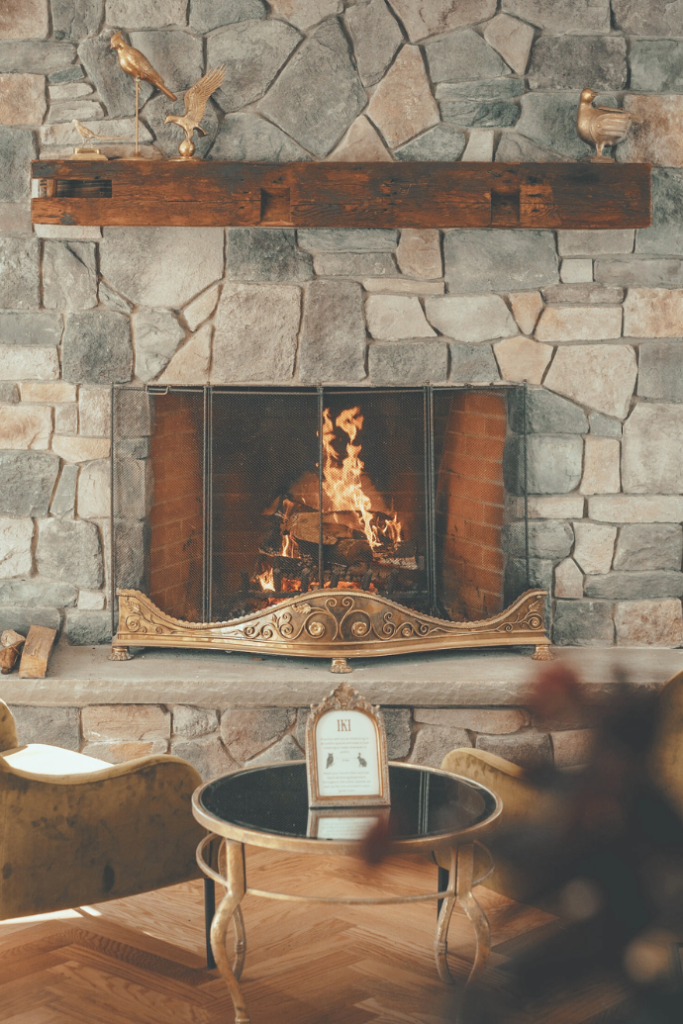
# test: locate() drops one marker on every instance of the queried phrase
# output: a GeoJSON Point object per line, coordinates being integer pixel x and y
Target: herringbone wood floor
{"type": "Point", "coordinates": [141, 960]}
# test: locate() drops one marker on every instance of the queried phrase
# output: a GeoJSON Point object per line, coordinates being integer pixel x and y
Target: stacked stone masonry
{"type": "Point", "coordinates": [592, 320]}
{"type": "Point", "coordinates": [219, 740]}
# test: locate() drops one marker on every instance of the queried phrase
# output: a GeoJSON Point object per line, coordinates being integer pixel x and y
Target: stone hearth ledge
{"type": "Point", "coordinates": [81, 676]}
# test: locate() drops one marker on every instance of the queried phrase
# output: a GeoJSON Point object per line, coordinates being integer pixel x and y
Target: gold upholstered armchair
{"type": "Point", "coordinates": [75, 830]}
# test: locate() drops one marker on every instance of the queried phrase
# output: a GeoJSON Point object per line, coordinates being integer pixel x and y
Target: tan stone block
{"type": "Point", "coordinates": [305, 13]}
{"type": "Point", "coordinates": [526, 309]}
{"type": "Point", "coordinates": [479, 146]}
{"type": "Point", "coordinates": [657, 138]}
{"type": "Point", "coordinates": [600, 376]}
{"type": "Point", "coordinates": [653, 313]}
{"type": "Point", "coordinates": [118, 753]}
{"type": "Point", "coordinates": [248, 731]}
{"type": "Point", "coordinates": [595, 243]}
{"type": "Point", "coordinates": [80, 449]}
{"type": "Point", "coordinates": [403, 286]}
{"type": "Point", "coordinates": [601, 466]}
{"type": "Point", "coordinates": [16, 539]}
{"type": "Point", "coordinates": [437, 16]}
{"type": "Point", "coordinates": [15, 219]}
{"type": "Point", "coordinates": [24, 19]}
{"type": "Point", "coordinates": [190, 365]}
{"type": "Point", "coordinates": [201, 308]}
{"type": "Point", "coordinates": [522, 358]}
{"type": "Point", "coordinates": [392, 317]}
{"type": "Point", "coordinates": [22, 99]}
{"type": "Point", "coordinates": [572, 747]}
{"type": "Point", "coordinates": [579, 323]}
{"type": "Point", "coordinates": [125, 722]}
{"type": "Point", "coordinates": [94, 490]}
{"type": "Point", "coordinates": [48, 391]}
{"type": "Point", "coordinates": [494, 721]}
{"type": "Point", "coordinates": [402, 105]}
{"type": "Point", "coordinates": [419, 253]}
{"type": "Point", "coordinates": [649, 623]}
{"type": "Point", "coordinates": [91, 600]}
{"type": "Point", "coordinates": [29, 362]}
{"type": "Point", "coordinates": [641, 508]}
{"type": "Point", "coordinates": [568, 580]}
{"type": "Point", "coordinates": [512, 38]}
{"type": "Point", "coordinates": [25, 426]}
{"type": "Point", "coordinates": [576, 271]}
{"type": "Point", "coordinates": [361, 142]}
{"type": "Point", "coordinates": [594, 547]}
{"type": "Point", "coordinates": [66, 419]}
{"type": "Point", "coordinates": [68, 232]}
{"type": "Point", "coordinates": [94, 411]}
{"type": "Point", "coordinates": [555, 506]}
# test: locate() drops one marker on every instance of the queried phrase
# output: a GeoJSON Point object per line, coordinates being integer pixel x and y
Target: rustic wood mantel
{"type": "Point", "coordinates": [363, 195]}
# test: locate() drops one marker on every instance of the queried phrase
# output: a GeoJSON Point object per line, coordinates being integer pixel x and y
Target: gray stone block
{"type": "Point", "coordinates": [168, 137]}
{"type": "Point", "coordinates": [190, 722]}
{"type": "Point", "coordinates": [69, 275]}
{"type": "Point", "coordinates": [318, 94]}
{"type": "Point", "coordinates": [408, 362]}
{"type": "Point", "coordinates": [397, 722]}
{"type": "Point", "coordinates": [176, 55]}
{"type": "Point", "coordinates": [568, 62]}
{"type": "Point", "coordinates": [74, 73]}
{"type": "Point", "coordinates": [74, 19]}
{"type": "Point", "coordinates": [19, 273]}
{"type": "Point", "coordinates": [563, 15]}
{"type": "Point", "coordinates": [332, 340]}
{"type": "Point", "coordinates": [132, 415]}
{"type": "Point", "coordinates": [37, 591]}
{"type": "Point", "coordinates": [479, 113]}
{"type": "Point", "coordinates": [471, 364]}
{"type": "Point", "coordinates": [500, 260]}
{"type": "Point", "coordinates": [255, 335]}
{"type": "Point", "coordinates": [206, 15]}
{"type": "Point", "coordinates": [157, 334]}
{"type": "Point", "coordinates": [131, 540]}
{"type": "Point", "coordinates": [27, 480]}
{"type": "Point", "coordinates": [661, 370]}
{"type": "Point", "coordinates": [462, 56]}
{"type": "Point", "coordinates": [64, 499]}
{"type": "Point", "coordinates": [655, 18]}
{"type": "Point", "coordinates": [643, 546]}
{"type": "Point", "coordinates": [17, 149]}
{"type": "Point", "coordinates": [70, 550]}
{"type": "Point", "coordinates": [34, 56]}
{"type": "Point", "coordinates": [285, 749]}
{"type": "Point", "coordinates": [517, 149]}
{"type": "Point", "coordinates": [546, 413]}
{"type": "Point", "coordinates": [133, 448]}
{"type": "Point", "coordinates": [246, 136]}
{"type": "Point", "coordinates": [55, 726]}
{"type": "Point", "coordinates": [640, 273]}
{"type": "Point", "coordinates": [22, 617]}
{"type": "Point", "coordinates": [651, 450]}
{"type": "Point", "coordinates": [528, 749]}
{"type": "Point", "coordinates": [248, 731]}
{"type": "Point", "coordinates": [635, 585]}
{"type": "Point", "coordinates": [112, 300]}
{"type": "Point", "coordinates": [86, 628]}
{"type": "Point", "coordinates": [442, 142]}
{"type": "Point", "coordinates": [520, 576]}
{"type": "Point", "coordinates": [9, 393]}
{"type": "Point", "coordinates": [355, 264]}
{"type": "Point", "coordinates": [550, 120]}
{"type": "Point", "coordinates": [657, 65]}
{"type": "Point", "coordinates": [583, 295]}
{"type": "Point", "coordinates": [376, 36]}
{"type": "Point", "coordinates": [253, 52]}
{"type": "Point", "coordinates": [432, 743]}
{"type": "Point", "coordinates": [347, 239]}
{"type": "Point", "coordinates": [553, 463]}
{"type": "Point", "coordinates": [115, 89]}
{"type": "Point", "coordinates": [30, 328]}
{"type": "Point", "coordinates": [583, 624]}
{"type": "Point", "coordinates": [207, 754]}
{"type": "Point", "coordinates": [604, 426]}
{"type": "Point", "coordinates": [266, 254]}
{"type": "Point", "coordinates": [665, 236]}
{"type": "Point", "coordinates": [97, 348]}
{"type": "Point", "coordinates": [547, 539]}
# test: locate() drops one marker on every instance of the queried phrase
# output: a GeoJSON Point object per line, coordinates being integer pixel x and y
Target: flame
{"type": "Point", "coordinates": [266, 581]}
{"type": "Point", "coordinates": [343, 479]}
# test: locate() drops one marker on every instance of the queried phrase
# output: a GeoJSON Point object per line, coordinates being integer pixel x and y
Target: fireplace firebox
{"type": "Point", "coordinates": [321, 521]}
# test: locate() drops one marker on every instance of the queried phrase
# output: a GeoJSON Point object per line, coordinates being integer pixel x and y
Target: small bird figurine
{"type": "Point", "coordinates": [136, 64]}
{"type": "Point", "coordinates": [195, 104]}
{"type": "Point", "coordinates": [87, 150]}
{"type": "Point", "coordinates": [602, 126]}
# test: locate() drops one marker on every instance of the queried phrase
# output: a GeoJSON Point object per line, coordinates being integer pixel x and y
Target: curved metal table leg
{"type": "Point", "coordinates": [460, 877]}
{"type": "Point", "coordinates": [228, 910]}
{"type": "Point", "coordinates": [240, 943]}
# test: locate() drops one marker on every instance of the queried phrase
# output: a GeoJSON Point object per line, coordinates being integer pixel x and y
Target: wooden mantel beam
{"type": "Point", "coordinates": [363, 195]}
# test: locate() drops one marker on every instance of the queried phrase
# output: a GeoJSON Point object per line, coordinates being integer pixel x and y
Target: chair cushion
{"type": "Point", "coordinates": [42, 759]}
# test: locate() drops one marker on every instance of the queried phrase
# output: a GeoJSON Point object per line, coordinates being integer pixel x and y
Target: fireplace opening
{"type": "Point", "coordinates": [252, 496]}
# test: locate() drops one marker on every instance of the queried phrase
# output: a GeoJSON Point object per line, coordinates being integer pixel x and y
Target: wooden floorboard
{"type": "Point", "coordinates": [141, 960]}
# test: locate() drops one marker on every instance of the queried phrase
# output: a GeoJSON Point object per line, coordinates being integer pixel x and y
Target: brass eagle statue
{"type": "Point", "coordinates": [195, 104]}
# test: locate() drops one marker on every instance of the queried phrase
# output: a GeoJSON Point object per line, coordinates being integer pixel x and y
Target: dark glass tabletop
{"type": "Point", "coordinates": [274, 799]}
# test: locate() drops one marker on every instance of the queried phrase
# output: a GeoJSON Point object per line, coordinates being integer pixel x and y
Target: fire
{"type": "Point", "coordinates": [342, 481]}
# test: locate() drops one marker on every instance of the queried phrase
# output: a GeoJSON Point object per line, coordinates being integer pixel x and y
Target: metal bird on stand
{"type": "Point", "coordinates": [138, 67]}
{"type": "Point", "coordinates": [195, 104]}
{"type": "Point", "coordinates": [87, 149]}
{"type": "Point", "coordinates": [602, 126]}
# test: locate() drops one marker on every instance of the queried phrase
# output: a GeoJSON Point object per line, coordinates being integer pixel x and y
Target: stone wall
{"type": "Point", "coordinates": [592, 320]}
{"type": "Point", "coordinates": [218, 740]}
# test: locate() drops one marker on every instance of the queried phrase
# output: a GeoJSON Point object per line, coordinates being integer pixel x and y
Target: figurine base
{"type": "Point", "coordinates": [88, 154]}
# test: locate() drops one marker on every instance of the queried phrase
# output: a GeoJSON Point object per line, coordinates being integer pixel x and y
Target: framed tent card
{"type": "Point", "coordinates": [346, 752]}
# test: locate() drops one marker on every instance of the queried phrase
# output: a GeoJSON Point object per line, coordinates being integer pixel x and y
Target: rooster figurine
{"type": "Point", "coordinates": [195, 104]}
{"type": "Point", "coordinates": [602, 126]}
{"type": "Point", "coordinates": [138, 67]}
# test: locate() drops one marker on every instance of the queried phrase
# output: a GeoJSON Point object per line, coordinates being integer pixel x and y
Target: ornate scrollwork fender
{"type": "Point", "coordinates": [335, 624]}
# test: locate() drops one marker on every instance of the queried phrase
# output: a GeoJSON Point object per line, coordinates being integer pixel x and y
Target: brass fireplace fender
{"type": "Point", "coordinates": [337, 624]}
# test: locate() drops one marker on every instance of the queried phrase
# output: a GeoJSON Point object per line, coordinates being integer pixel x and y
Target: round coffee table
{"type": "Point", "coordinates": [430, 811]}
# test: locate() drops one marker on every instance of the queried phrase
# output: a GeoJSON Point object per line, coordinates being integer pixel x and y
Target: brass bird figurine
{"type": "Point", "coordinates": [136, 64]}
{"type": "Point", "coordinates": [195, 104]}
{"type": "Point", "coordinates": [602, 126]}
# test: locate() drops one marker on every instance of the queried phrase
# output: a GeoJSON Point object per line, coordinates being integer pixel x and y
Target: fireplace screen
{"type": "Point", "coordinates": [226, 501]}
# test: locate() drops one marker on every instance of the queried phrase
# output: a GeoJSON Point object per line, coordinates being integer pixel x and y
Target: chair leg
{"type": "Point", "coordinates": [209, 911]}
{"type": "Point", "coordinates": [442, 885]}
